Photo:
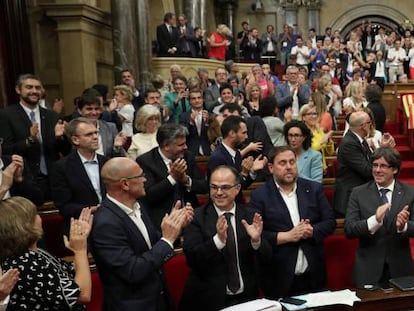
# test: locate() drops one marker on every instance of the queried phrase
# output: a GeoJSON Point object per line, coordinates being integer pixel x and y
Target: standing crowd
{"type": "Point", "coordinates": [123, 173]}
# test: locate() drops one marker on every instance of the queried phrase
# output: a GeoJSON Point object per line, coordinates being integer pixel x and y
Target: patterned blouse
{"type": "Point", "coordinates": [46, 283]}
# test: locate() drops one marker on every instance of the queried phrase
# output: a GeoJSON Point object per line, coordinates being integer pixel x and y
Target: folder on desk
{"type": "Point", "coordinates": [404, 283]}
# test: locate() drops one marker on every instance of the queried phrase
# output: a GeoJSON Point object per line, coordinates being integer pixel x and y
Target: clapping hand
{"type": "Point", "coordinates": [255, 229]}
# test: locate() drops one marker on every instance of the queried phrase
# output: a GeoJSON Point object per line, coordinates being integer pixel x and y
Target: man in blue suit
{"type": "Point", "coordinates": [127, 249]}
{"type": "Point", "coordinates": [292, 93]}
{"type": "Point", "coordinates": [296, 219]}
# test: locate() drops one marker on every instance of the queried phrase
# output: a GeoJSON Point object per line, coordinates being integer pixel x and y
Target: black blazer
{"type": "Point", "coordinates": [354, 169]}
{"type": "Point", "coordinates": [278, 276]}
{"type": "Point", "coordinates": [15, 129]}
{"type": "Point", "coordinates": [385, 245]}
{"type": "Point", "coordinates": [194, 141]}
{"type": "Point", "coordinates": [160, 194]}
{"type": "Point", "coordinates": [166, 40]}
{"type": "Point", "coordinates": [72, 189]}
{"type": "Point", "coordinates": [131, 273]}
{"type": "Point", "coordinates": [206, 286]}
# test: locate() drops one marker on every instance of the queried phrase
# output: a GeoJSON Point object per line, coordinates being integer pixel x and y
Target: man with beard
{"type": "Point", "coordinates": [171, 172]}
{"type": "Point", "coordinates": [33, 132]}
{"type": "Point", "coordinates": [234, 131]}
{"type": "Point", "coordinates": [296, 219]}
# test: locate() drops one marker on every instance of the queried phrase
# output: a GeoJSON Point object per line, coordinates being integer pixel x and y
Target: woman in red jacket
{"type": "Point", "coordinates": [218, 42]}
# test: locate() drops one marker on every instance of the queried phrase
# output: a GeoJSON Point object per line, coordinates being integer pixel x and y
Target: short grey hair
{"type": "Point", "coordinates": [169, 132]}
{"type": "Point", "coordinates": [144, 113]}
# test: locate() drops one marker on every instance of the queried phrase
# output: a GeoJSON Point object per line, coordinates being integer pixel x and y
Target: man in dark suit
{"type": "Point", "coordinates": [167, 36]}
{"type": "Point", "coordinates": [196, 121]}
{"type": "Point", "coordinates": [257, 134]}
{"type": "Point", "coordinates": [354, 160]}
{"type": "Point", "coordinates": [110, 141]}
{"type": "Point", "coordinates": [171, 173]}
{"type": "Point", "coordinates": [292, 93]}
{"type": "Point", "coordinates": [186, 40]}
{"type": "Point", "coordinates": [220, 278]}
{"type": "Point", "coordinates": [128, 251]}
{"type": "Point", "coordinates": [234, 131]}
{"type": "Point", "coordinates": [76, 181]}
{"type": "Point", "coordinates": [380, 215]}
{"type": "Point", "coordinates": [296, 219]}
{"type": "Point", "coordinates": [212, 93]}
{"type": "Point", "coordinates": [33, 132]}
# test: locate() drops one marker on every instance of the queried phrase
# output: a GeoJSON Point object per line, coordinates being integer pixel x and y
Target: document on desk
{"type": "Point", "coordinates": [256, 305]}
{"type": "Point", "coordinates": [326, 298]}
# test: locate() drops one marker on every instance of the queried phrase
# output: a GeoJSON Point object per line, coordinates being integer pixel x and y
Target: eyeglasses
{"type": "Point", "coordinates": [223, 188]}
{"type": "Point", "coordinates": [132, 177]}
{"type": "Point", "coordinates": [90, 134]}
{"type": "Point", "coordinates": [294, 135]}
{"type": "Point", "coordinates": [311, 114]}
{"type": "Point", "coordinates": [380, 166]}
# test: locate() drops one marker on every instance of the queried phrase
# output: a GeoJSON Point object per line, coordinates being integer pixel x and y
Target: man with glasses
{"type": "Point", "coordinates": [291, 93]}
{"type": "Point", "coordinates": [76, 180]}
{"type": "Point", "coordinates": [128, 250]}
{"type": "Point", "coordinates": [296, 219]}
{"type": "Point", "coordinates": [380, 215]}
{"type": "Point", "coordinates": [354, 159]}
{"type": "Point", "coordinates": [221, 273]}
{"type": "Point", "coordinates": [171, 172]}
{"type": "Point", "coordinates": [212, 94]}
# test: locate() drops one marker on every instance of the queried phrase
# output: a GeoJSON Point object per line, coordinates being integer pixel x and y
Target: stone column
{"type": "Point", "coordinates": [143, 42]}
{"type": "Point", "coordinates": [124, 37]}
{"type": "Point", "coordinates": [291, 13]}
{"type": "Point", "coordinates": [195, 11]}
{"type": "Point", "coordinates": [314, 7]}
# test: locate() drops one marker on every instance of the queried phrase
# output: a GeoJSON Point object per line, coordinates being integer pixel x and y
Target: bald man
{"type": "Point", "coordinates": [354, 159]}
{"type": "Point", "coordinates": [127, 249]}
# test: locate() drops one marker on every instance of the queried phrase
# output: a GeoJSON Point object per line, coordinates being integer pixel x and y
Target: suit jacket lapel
{"type": "Point", "coordinates": [23, 115]}
{"type": "Point", "coordinates": [161, 168]}
{"type": "Point", "coordinates": [75, 164]}
{"type": "Point", "coordinates": [279, 203]}
{"type": "Point", "coordinates": [397, 199]}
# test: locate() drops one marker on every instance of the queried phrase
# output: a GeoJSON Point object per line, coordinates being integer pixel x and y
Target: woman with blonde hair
{"type": "Point", "coordinates": [254, 96]}
{"type": "Point", "coordinates": [325, 118]}
{"type": "Point", "coordinates": [320, 139]}
{"type": "Point", "coordinates": [123, 97]}
{"type": "Point", "coordinates": [46, 282]}
{"type": "Point", "coordinates": [219, 42]}
{"type": "Point", "coordinates": [147, 122]}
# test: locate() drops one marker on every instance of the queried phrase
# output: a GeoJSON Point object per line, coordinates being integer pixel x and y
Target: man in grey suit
{"type": "Point", "coordinates": [380, 214]}
{"type": "Point", "coordinates": [110, 141]}
{"type": "Point", "coordinates": [212, 94]}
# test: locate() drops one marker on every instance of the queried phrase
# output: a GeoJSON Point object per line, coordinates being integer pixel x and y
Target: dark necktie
{"type": "Point", "coordinates": [233, 273]}
{"type": "Point", "coordinates": [43, 168]}
{"type": "Point", "coordinates": [367, 150]}
{"type": "Point", "coordinates": [383, 195]}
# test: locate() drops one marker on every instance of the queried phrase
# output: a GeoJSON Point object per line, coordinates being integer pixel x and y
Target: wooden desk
{"type": "Point", "coordinates": [377, 301]}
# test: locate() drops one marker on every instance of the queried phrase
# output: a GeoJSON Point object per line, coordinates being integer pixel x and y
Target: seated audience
{"type": "Point", "coordinates": [309, 162]}
{"type": "Point", "coordinates": [45, 282]}
{"type": "Point", "coordinates": [221, 273]}
{"type": "Point", "coordinates": [153, 97]}
{"type": "Point", "coordinates": [212, 93]}
{"type": "Point", "coordinates": [380, 215]}
{"type": "Point", "coordinates": [254, 96]}
{"type": "Point", "coordinates": [148, 121]}
{"type": "Point", "coordinates": [227, 97]}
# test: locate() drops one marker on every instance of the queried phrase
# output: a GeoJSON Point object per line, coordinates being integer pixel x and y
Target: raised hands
{"type": "Point", "coordinates": [7, 282]}
{"type": "Point", "coordinates": [79, 231]}
{"type": "Point", "coordinates": [255, 229]}
{"type": "Point", "coordinates": [60, 128]}
{"type": "Point", "coordinates": [381, 211]}
{"type": "Point", "coordinates": [178, 170]}
{"type": "Point", "coordinates": [173, 223]}
{"type": "Point", "coordinates": [402, 218]}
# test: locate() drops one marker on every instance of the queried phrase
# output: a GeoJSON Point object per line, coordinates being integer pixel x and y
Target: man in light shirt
{"type": "Point", "coordinates": [296, 219]}
{"type": "Point", "coordinates": [380, 215]}
{"type": "Point", "coordinates": [396, 58]}
{"type": "Point", "coordinates": [302, 53]}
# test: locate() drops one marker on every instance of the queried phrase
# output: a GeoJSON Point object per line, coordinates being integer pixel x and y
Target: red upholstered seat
{"type": "Point", "coordinates": [52, 224]}
{"type": "Point", "coordinates": [340, 258]}
{"type": "Point", "coordinates": [96, 299]}
{"type": "Point", "coordinates": [176, 272]}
